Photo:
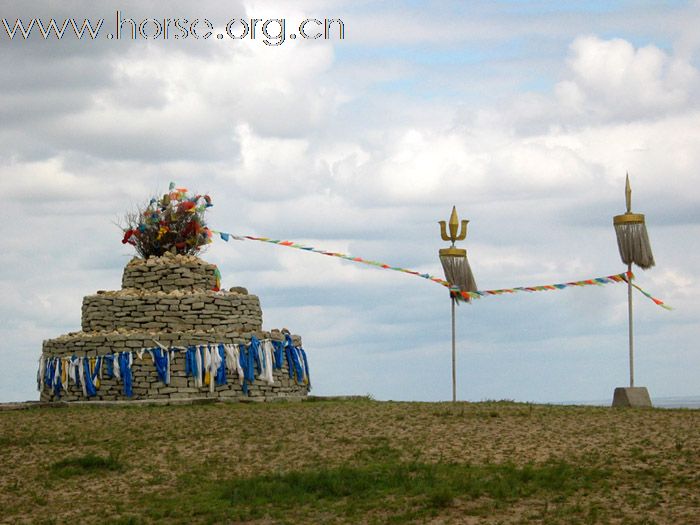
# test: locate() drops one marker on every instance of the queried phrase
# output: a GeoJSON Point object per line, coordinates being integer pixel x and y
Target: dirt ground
{"type": "Point", "coordinates": [651, 456]}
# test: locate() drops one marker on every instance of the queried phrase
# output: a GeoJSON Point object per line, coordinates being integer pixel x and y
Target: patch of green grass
{"type": "Point", "coordinates": [379, 450]}
{"type": "Point", "coordinates": [391, 488]}
{"type": "Point", "coordinates": [8, 441]}
{"type": "Point", "coordinates": [87, 464]}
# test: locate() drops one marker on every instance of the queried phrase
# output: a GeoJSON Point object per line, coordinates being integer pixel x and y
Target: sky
{"type": "Point", "coordinates": [525, 115]}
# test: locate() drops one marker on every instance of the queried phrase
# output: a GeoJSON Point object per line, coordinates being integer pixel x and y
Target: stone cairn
{"type": "Point", "coordinates": [169, 300]}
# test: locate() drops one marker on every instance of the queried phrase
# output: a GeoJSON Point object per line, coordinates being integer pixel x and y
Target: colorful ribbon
{"type": "Point", "coordinates": [252, 358]}
{"type": "Point", "coordinates": [291, 244]}
{"type": "Point", "coordinates": [647, 294]}
{"type": "Point", "coordinates": [598, 281]}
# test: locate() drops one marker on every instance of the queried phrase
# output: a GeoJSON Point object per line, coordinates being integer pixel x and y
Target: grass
{"type": "Point", "coordinates": [355, 461]}
{"type": "Point", "coordinates": [86, 464]}
{"type": "Point", "coordinates": [405, 490]}
{"type": "Point", "coordinates": [425, 488]}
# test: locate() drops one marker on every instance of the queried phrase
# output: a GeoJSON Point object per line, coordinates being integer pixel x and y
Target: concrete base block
{"type": "Point", "coordinates": [637, 396]}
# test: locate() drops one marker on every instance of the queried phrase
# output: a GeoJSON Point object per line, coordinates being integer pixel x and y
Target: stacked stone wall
{"type": "Point", "coordinates": [147, 385]}
{"type": "Point", "coordinates": [175, 311]}
{"type": "Point", "coordinates": [169, 273]}
{"type": "Point", "coordinates": [100, 343]}
{"type": "Point", "coordinates": [169, 301]}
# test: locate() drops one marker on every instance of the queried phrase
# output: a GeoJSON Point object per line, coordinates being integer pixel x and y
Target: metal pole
{"type": "Point", "coordinates": [454, 374]}
{"type": "Point", "coordinates": [629, 307]}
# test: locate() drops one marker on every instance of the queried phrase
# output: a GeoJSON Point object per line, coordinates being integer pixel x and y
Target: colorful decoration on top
{"type": "Point", "coordinates": [174, 223]}
{"type": "Point", "coordinates": [454, 290]}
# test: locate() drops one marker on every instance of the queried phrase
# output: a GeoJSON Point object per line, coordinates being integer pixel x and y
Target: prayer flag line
{"type": "Point", "coordinates": [596, 281]}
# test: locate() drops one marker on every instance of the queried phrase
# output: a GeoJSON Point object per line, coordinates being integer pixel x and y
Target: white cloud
{"type": "Point", "coordinates": [612, 79]}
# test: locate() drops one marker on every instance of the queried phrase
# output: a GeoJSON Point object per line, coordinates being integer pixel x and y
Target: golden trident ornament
{"type": "Point", "coordinates": [453, 236]}
{"type": "Point", "coordinates": [457, 273]}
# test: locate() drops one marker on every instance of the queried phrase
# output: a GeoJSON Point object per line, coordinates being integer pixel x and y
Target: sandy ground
{"type": "Point", "coordinates": [653, 455]}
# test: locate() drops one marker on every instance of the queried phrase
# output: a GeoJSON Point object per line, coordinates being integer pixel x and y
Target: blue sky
{"type": "Point", "coordinates": [525, 115]}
